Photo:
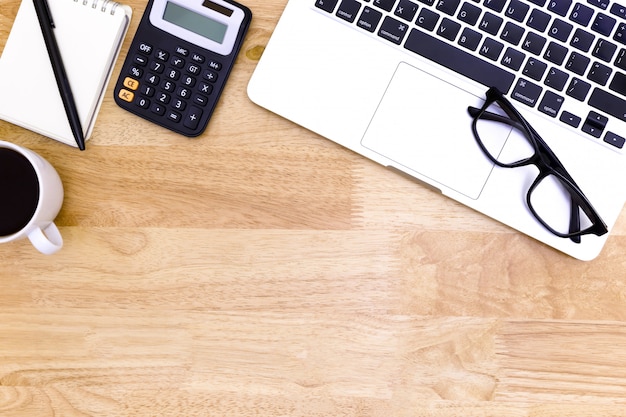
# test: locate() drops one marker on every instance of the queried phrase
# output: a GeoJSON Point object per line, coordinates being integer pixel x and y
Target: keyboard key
{"type": "Point", "coordinates": [427, 2]}
{"type": "Point", "coordinates": [497, 5]}
{"type": "Point", "coordinates": [560, 30]}
{"type": "Point", "coordinates": [448, 29]}
{"type": "Point", "coordinates": [533, 43]}
{"type": "Point", "coordinates": [595, 124]}
{"type": "Point", "coordinates": [526, 92]}
{"type": "Point", "coordinates": [534, 69]}
{"type": "Point", "coordinates": [512, 33]}
{"type": "Point", "coordinates": [619, 84]}
{"type": "Point", "coordinates": [427, 19]}
{"type": "Point", "coordinates": [513, 59]}
{"type": "Point", "coordinates": [393, 30]}
{"type": "Point", "coordinates": [608, 103]}
{"type": "Point", "coordinates": [470, 39]}
{"type": "Point", "coordinates": [326, 5]}
{"type": "Point", "coordinates": [406, 10]}
{"type": "Point", "coordinates": [386, 5]}
{"type": "Point", "coordinates": [539, 3]}
{"type": "Point", "coordinates": [538, 20]}
{"type": "Point", "coordinates": [570, 119]}
{"type": "Point", "coordinates": [551, 104]}
{"type": "Point", "coordinates": [581, 14]}
{"type": "Point", "coordinates": [459, 61]}
{"type": "Point", "coordinates": [577, 63]}
{"type": "Point", "coordinates": [490, 23]}
{"type": "Point", "coordinates": [620, 33]}
{"type": "Point", "coordinates": [469, 13]}
{"type": "Point", "coordinates": [559, 7]}
{"type": "Point", "coordinates": [555, 53]}
{"type": "Point", "coordinates": [556, 79]}
{"type": "Point", "coordinates": [599, 73]}
{"type": "Point", "coordinates": [491, 49]}
{"type": "Point", "coordinates": [582, 40]}
{"type": "Point", "coordinates": [604, 50]}
{"type": "Point", "coordinates": [603, 4]}
{"type": "Point", "coordinates": [615, 140]}
{"type": "Point", "coordinates": [517, 10]}
{"type": "Point", "coordinates": [578, 89]}
{"type": "Point", "coordinates": [620, 61]}
{"type": "Point", "coordinates": [603, 24]}
{"type": "Point", "coordinates": [348, 10]}
{"type": "Point", "coordinates": [618, 10]}
{"type": "Point", "coordinates": [369, 19]}
{"type": "Point", "coordinates": [448, 7]}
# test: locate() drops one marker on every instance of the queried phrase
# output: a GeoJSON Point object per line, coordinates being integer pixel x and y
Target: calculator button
{"type": "Point", "coordinates": [179, 105]}
{"type": "Point", "coordinates": [173, 116]}
{"type": "Point", "coordinates": [145, 48]}
{"type": "Point", "coordinates": [193, 117]}
{"type": "Point", "coordinates": [136, 72]}
{"type": "Point", "coordinates": [182, 51]}
{"type": "Point", "coordinates": [126, 95]}
{"type": "Point", "coordinates": [164, 98]}
{"type": "Point", "coordinates": [144, 103]}
{"type": "Point", "coordinates": [162, 55]}
{"type": "Point", "coordinates": [200, 100]}
{"type": "Point", "coordinates": [211, 76]}
{"type": "Point", "coordinates": [173, 74]}
{"type": "Point", "coordinates": [147, 90]}
{"type": "Point", "coordinates": [205, 88]}
{"type": "Point", "coordinates": [177, 62]}
{"type": "Point", "coordinates": [158, 109]}
{"type": "Point", "coordinates": [189, 81]}
{"type": "Point", "coordinates": [193, 69]}
{"type": "Point", "coordinates": [131, 83]}
{"type": "Point", "coordinates": [215, 65]}
{"type": "Point", "coordinates": [168, 86]}
{"type": "Point", "coordinates": [153, 79]}
{"type": "Point", "coordinates": [183, 92]}
{"type": "Point", "coordinates": [141, 60]}
{"type": "Point", "coordinates": [157, 67]}
{"type": "Point", "coordinates": [197, 58]}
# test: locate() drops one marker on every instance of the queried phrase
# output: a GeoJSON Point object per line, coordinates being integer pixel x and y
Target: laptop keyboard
{"type": "Point", "coordinates": [564, 58]}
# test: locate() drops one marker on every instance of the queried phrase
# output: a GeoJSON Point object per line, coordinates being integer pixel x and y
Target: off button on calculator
{"type": "Point", "coordinates": [179, 61]}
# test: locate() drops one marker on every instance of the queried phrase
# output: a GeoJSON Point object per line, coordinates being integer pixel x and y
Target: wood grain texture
{"type": "Point", "coordinates": [261, 270]}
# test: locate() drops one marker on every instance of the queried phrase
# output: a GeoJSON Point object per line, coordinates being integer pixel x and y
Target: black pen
{"type": "Point", "coordinates": [47, 25]}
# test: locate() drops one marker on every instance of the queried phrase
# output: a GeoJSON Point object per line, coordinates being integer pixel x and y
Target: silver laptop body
{"type": "Point", "coordinates": [385, 78]}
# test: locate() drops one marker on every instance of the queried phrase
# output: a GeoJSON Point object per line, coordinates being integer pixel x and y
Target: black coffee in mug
{"type": "Point", "coordinates": [19, 191]}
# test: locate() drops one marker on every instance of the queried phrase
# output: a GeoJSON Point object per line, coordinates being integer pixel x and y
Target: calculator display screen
{"type": "Point", "coordinates": [194, 22]}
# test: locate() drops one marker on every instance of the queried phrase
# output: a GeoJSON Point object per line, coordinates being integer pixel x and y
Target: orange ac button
{"type": "Point", "coordinates": [126, 95]}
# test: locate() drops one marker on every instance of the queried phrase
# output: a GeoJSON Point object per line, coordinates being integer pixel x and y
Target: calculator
{"type": "Point", "coordinates": [179, 61]}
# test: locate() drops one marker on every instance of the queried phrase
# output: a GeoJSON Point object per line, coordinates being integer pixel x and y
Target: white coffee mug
{"type": "Point", "coordinates": [41, 187]}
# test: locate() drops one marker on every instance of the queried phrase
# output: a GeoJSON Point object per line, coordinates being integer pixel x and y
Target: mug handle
{"type": "Point", "coordinates": [48, 240]}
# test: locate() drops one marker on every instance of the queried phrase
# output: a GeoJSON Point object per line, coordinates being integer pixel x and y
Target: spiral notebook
{"type": "Point", "coordinates": [90, 34]}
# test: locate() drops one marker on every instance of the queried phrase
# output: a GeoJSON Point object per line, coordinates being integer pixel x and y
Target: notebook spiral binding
{"type": "Point", "coordinates": [104, 7]}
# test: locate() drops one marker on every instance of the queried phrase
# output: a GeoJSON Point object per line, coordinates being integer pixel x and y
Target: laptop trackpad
{"type": "Point", "coordinates": [429, 133]}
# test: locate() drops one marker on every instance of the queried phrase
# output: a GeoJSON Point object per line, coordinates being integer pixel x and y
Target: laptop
{"type": "Point", "coordinates": [393, 79]}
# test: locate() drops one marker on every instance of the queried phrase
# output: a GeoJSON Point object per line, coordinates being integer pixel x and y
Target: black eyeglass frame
{"type": "Point", "coordinates": [544, 159]}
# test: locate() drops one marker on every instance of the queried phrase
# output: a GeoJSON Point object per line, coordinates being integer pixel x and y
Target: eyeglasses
{"type": "Point", "coordinates": [497, 123]}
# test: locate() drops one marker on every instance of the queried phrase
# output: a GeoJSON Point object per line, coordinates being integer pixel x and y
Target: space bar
{"type": "Point", "coordinates": [459, 61]}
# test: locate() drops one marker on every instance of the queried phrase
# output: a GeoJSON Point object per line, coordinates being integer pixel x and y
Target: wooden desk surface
{"type": "Point", "coordinates": [261, 270]}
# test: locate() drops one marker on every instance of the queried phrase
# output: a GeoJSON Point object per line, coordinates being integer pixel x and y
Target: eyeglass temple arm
{"type": "Point", "coordinates": [574, 221]}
